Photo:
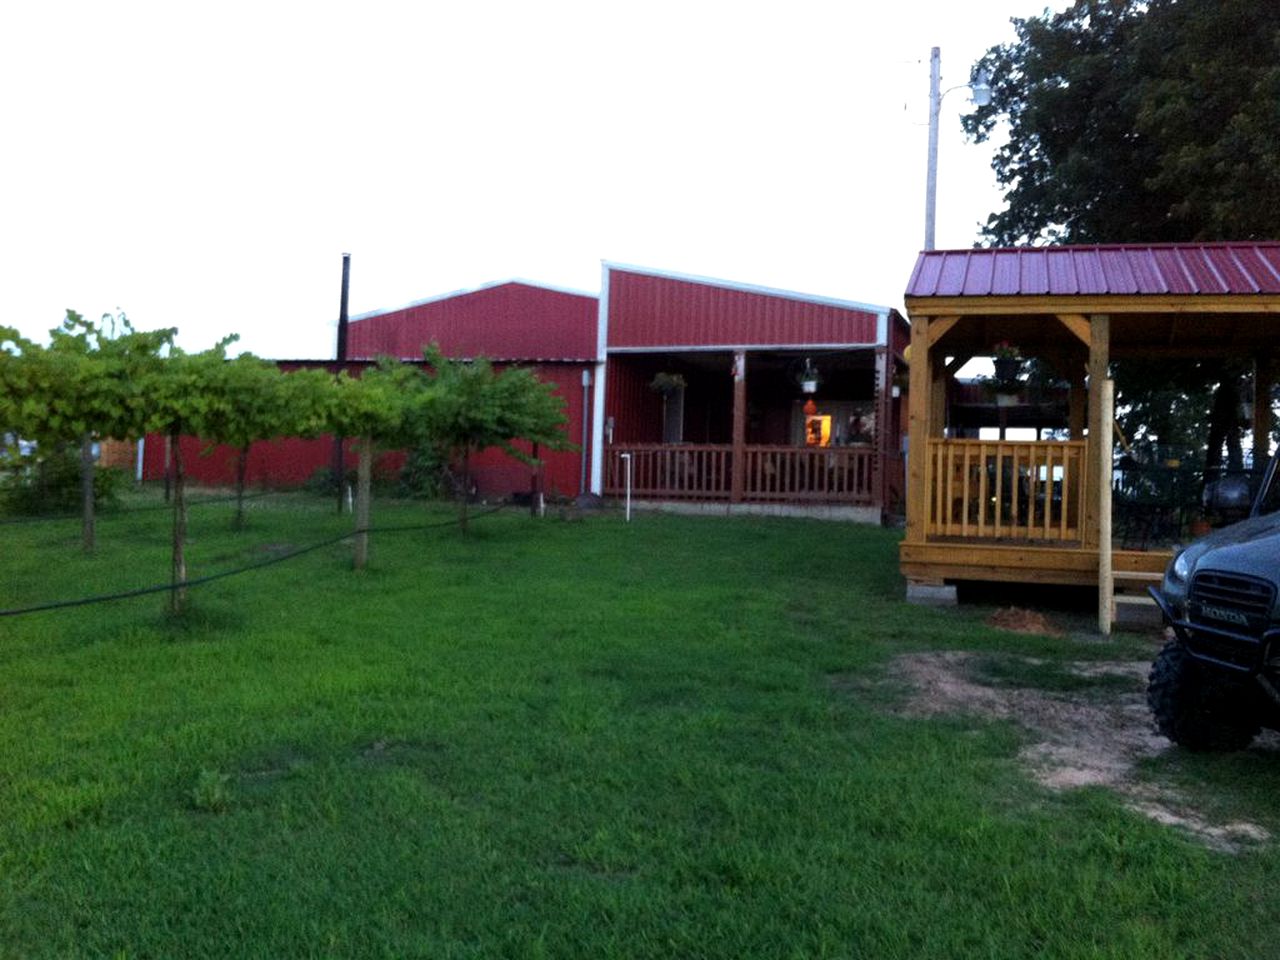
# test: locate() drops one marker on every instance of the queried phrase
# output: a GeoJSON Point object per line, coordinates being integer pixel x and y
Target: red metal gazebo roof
{"type": "Point", "coordinates": [1119, 270]}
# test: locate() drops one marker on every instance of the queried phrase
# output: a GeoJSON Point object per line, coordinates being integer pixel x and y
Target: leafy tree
{"type": "Point", "coordinates": [251, 399]}
{"type": "Point", "coordinates": [181, 403]}
{"type": "Point", "coordinates": [1143, 121]}
{"type": "Point", "coordinates": [87, 383]}
{"type": "Point", "coordinates": [1137, 121]}
{"type": "Point", "coordinates": [469, 407]}
{"type": "Point", "coordinates": [372, 408]}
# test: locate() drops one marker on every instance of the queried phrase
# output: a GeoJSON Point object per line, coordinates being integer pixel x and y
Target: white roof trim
{"type": "Point", "coordinates": [759, 347]}
{"type": "Point", "coordinates": [368, 314]}
{"type": "Point", "coordinates": [749, 288]}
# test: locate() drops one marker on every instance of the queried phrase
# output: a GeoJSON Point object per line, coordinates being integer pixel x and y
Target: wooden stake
{"type": "Point", "coordinates": [364, 478]}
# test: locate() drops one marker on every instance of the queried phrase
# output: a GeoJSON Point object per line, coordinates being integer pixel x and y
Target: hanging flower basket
{"type": "Point", "coordinates": [808, 377]}
{"type": "Point", "coordinates": [1007, 360]}
{"type": "Point", "coordinates": [1007, 369]}
{"type": "Point", "coordinates": [666, 383]}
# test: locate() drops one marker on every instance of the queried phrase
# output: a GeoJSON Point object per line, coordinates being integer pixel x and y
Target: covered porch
{"type": "Point", "coordinates": [1040, 510]}
{"type": "Point", "coordinates": [802, 427]}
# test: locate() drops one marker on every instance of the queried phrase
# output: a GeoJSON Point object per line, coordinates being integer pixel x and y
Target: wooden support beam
{"type": "Point", "coordinates": [939, 327]}
{"type": "Point", "coordinates": [739, 453]}
{"type": "Point", "coordinates": [1099, 360]}
{"type": "Point", "coordinates": [937, 397]}
{"type": "Point", "coordinates": [1106, 584]}
{"type": "Point", "coordinates": [955, 363]}
{"type": "Point", "coordinates": [1077, 406]}
{"type": "Point", "coordinates": [918, 431]}
{"type": "Point", "coordinates": [1078, 324]}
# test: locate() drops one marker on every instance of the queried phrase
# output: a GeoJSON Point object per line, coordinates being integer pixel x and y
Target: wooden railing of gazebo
{"type": "Point", "coordinates": [1006, 490]}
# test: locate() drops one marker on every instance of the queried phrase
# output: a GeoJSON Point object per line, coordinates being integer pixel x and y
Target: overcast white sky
{"type": "Point", "coordinates": [206, 166]}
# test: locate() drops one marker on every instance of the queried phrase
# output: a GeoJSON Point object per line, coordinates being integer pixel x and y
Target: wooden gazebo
{"type": "Point", "coordinates": [1039, 511]}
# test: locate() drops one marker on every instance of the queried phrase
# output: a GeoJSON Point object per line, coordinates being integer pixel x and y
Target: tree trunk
{"type": "Point", "coordinates": [339, 470]}
{"type": "Point", "coordinates": [466, 489]}
{"type": "Point", "coordinates": [168, 468]}
{"type": "Point", "coordinates": [1224, 419]}
{"type": "Point", "coordinates": [535, 486]}
{"type": "Point", "coordinates": [242, 463]}
{"type": "Point", "coordinates": [87, 533]}
{"type": "Point", "coordinates": [364, 483]}
{"type": "Point", "coordinates": [178, 595]}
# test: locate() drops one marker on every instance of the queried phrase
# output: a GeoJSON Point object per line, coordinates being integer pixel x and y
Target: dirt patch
{"type": "Point", "coordinates": [1018, 620]}
{"type": "Point", "coordinates": [1078, 741]}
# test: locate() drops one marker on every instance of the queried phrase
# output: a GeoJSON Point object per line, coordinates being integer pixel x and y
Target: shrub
{"type": "Point", "coordinates": [39, 484]}
{"type": "Point", "coordinates": [423, 474]}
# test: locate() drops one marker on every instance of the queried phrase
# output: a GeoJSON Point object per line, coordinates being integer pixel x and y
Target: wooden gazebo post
{"type": "Point", "coordinates": [921, 376]}
{"type": "Point", "coordinates": [927, 408]}
{"type": "Point", "coordinates": [1099, 360]}
{"type": "Point", "coordinates": [1098, 459]}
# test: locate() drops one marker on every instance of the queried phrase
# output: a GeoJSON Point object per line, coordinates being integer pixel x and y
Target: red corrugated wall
{"type": "Point", "coordinates": [654, 311]}
{"type": "Point", "coordinates": [510, 321]}
{"type": "Point", "coordinates": [290, 462]}
{"type": "Point", "coordinates": [899, 332]}
{"type": "Point", "coordinates": [635, 408]}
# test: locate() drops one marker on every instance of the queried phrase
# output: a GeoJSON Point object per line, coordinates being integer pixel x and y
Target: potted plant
{"type": "Point", "coordinates": [808, 377]}
{"type": "Point", "coordinates": [666, 383]}
{"type": "Point", "coordinates": [1007, 359]}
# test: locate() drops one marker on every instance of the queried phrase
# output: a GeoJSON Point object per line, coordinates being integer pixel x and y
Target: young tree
{"type": "Point", "coordinates": [251, 399]}
{"type": "Point", "coordinates": [86, 384]}
{"type": "Point", "coordinates": [468, 407]}
{"type": "Point", "coordinates": [181, 403]}
{"type": "Point", "coordinates": [373, 409]}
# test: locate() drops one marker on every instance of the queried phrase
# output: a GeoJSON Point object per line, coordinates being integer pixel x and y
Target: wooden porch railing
{"type": "Point", "coordinates": [771, 474]}
{"type": "Point", "coordinates": [1006, 490]}
{"type": "Point", "coordinates": [810, 474]}
{"type": "Point", "coordinates": [665, 471]}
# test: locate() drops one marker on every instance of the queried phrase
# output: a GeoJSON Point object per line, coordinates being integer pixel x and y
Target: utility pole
{"type": "Point", "coordinates": [931, 177]}
{"type": "Point", "coordinates": [980, 89]}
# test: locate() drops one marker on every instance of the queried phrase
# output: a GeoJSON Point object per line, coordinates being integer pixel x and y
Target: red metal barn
{"type": "Point", "coordinates": [714, 392]}
{"type": "Point", "coordinates": [746, 396]}
{"type": "Point", "coordinates": [549, 330]}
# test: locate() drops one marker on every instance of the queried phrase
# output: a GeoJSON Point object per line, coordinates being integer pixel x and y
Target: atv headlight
{"type": "Point", "coordinates": [1180, 569]}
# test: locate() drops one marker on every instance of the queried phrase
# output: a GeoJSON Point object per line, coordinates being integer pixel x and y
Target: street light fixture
{"type": "Point", "coordinates": [980, 90]}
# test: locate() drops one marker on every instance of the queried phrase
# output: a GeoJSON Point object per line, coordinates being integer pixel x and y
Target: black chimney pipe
{"type": "Point", "coordinates": [342, 310]}
{"type": "Point", "coordinates": [339, 468]}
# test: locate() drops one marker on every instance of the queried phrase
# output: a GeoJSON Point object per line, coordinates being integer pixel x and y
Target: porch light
{"type": "Point", "coordinates": [981, 88]}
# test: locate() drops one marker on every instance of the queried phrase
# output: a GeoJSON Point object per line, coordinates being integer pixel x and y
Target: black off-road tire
{"type": "Point", "coordinates": [1196, 710]}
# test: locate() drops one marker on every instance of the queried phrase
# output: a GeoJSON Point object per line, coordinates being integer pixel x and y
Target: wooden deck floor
{"type": "Point", "coordinates": [1021, 563]}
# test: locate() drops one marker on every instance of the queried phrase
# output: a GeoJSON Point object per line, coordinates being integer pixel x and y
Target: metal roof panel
{"type": "Point", "coordinates": [978, 276]}
{"type": "Point", "coordinates": [954, 268]}
{"type": "Point", "coordinates": [1061, 267]}
{"type": "Point", "coordinates": [1128, 270]}
{"type": "Point", "coordinates": [1005, 275]}
{"type": "Point", "coordinates": [1035, 275]}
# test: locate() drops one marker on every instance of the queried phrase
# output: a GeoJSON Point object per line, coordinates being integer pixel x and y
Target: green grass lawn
{"type": "Point", "coordinates": [550, 739]}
